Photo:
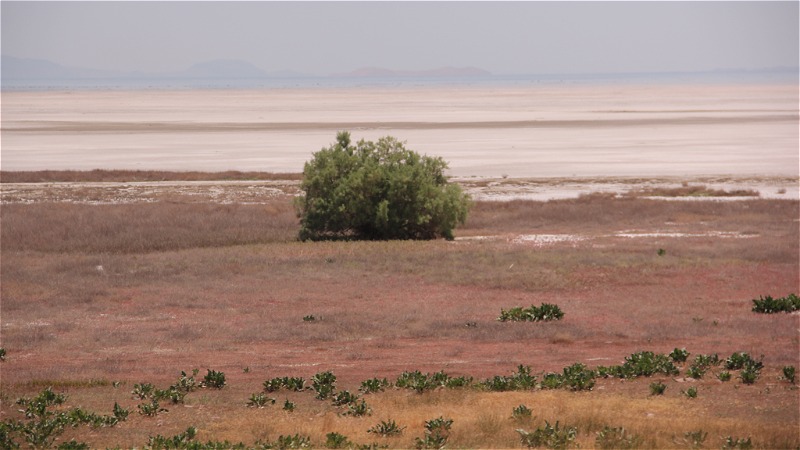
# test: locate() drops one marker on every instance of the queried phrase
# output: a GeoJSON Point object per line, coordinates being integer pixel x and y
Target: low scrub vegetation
{"type": "Point", "coordinates": [769, 305]}
{"type": "Point", "coordinates": [549, 436]}
{"type": "Point", "coordinates": [544, 313]}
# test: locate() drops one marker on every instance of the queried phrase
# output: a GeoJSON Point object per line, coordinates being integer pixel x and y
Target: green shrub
{"type": "Point", "coordinates": [641, 364]}
{"type": "Point", "coordinates": [549, 436]}
{"type": "Point", "coordinates": [143, 390]}
{"type": "Point", "coordinates": [576, 377]}
{"type": "Point", "coordinates": [544, 313]}
{"type": "Point", "coordinates": [694, 439]}
{"type": "Point", "coordinates": [374, 385]}
{"type": "Point", "coordinates": [749, 375]}
{"type": "Point", "coordinates": [2, 354]}
{"type": "Point", "coordinates": [260, 400]}
{"type": "Point", "coordinates": [422, 382]}
{"type": "Point", "coordinates": [291, 442]}
{"type": "Point", "coordinates": [42, 425]}
{"type": "Point", "coordinates": [309, 318]}
{"type": "Point", "coordinates": [151, 408]}
{"type": "Point", "coordinates": [324, 384]}
{"type": "Point", "coordinates": [738, 360]}
{"type": "Point", "coordinates": [521, 413]}
{"type": "Point", "coordinates": [180, 440]}
{"type": "Point", "coordinates": [789, 374]}
{"type": "Point", "coordinates": [213, 379]}
{"type": "Point", "coordinates": [520, 381]}
{"type": "Point", "coordinates": [336, 440]}
{"type": "Point", "coordinates": [769, 305]}
{"type": "Point", "coordinates": [288, 406]}
{"type": "Point", "coordinates": [377, 190]}
{"type": "Point", "coordinates": [724, 376]}
{"type": "Point", "coordinates": [737, 443]}
{"type": "Point", "coordinates": [691, 392]}
{"type": "Point", "coordinates": [657, 388]}
{"type": "Point", "coordinates": [387, 428]}
{"type": "Point", "coordinates": [678, 355]}
{"type": "Point", "coordinates": [187, 383]}
{"type": "Point", "coordinates": [358, 409]}
{"type": "Point", "coordinates": [289, 383]}
{"type": "Point", "coordinates": [437, 431]}
{"type": "Point", "coordinates": [616, 438]}
{"type": "Point", "coordinates": [344, 398]}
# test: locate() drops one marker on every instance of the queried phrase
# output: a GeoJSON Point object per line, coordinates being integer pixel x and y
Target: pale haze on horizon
{"type": "Point", "coordinates": [321, 38]}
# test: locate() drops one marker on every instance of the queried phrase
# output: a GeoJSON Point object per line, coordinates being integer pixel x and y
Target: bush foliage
{"type": "Point", "coordinates": [376, 191]}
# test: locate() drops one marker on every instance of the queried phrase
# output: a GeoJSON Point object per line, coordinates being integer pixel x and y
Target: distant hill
{"type": "Point", "coordinates": [14, 68]}
{"type": "Point", "coordinates": [440, 72]}
{"type": "Point", "coordinates": [222, 68]}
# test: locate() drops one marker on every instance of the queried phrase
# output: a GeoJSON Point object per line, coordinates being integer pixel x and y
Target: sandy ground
{"type": "Point", "coordinates": [521, 132]}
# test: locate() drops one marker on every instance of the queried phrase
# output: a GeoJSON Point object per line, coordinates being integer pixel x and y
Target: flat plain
{"type": "Point", "coordinates": [101, 294]}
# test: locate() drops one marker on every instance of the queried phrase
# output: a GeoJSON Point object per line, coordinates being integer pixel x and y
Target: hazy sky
{"type": "Point", "coordinates": [327, 37]}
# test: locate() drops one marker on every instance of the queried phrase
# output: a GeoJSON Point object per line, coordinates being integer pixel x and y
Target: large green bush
{"type": "Point", "coordinates": [377, 190]}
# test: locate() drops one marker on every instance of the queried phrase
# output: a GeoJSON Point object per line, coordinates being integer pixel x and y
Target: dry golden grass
{"type": "Point", "coordinates": [95, 294]}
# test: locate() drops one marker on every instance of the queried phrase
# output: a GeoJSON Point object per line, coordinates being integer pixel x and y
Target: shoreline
{"type": "Point", "coordinates": [713, 188]}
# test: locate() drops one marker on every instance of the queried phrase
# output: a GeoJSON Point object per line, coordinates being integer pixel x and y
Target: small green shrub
{"type": "Point", "coordinates": [171, 394]}
{"type": "Point", "coordinates": [549, 436]}
{"type": "Point", "coordinates": [544, 313]}
{"type": "Point", "coordinates": [749, 375]}
{"type": "Point", "coordinates": [292, 442]}
{"type": "Point", "coordinates": [336, 440]}
{"type": "Point", "coordinates": [521, 413]}
{"type": "Point", "coordinates": [2, 354]}
{"type": "Point", "coordinates": [187, 383]}
{"type": "Point", "coordinates": [151, 408]}
{"type": "Point", "coordinates": [641, 364]}
{"type": "Point", "coordinates": [694, 439]}
{"type": "Point", "coordinates": [616, 438]}
{"type": "Point", "coordinates": [42, 425]}
{"type": "Point", "coordinates": [769, 305]}
{"type": "Point", "coordinates": [289, 383]}
{"type": "Point", "coordinates": [260, 400]}
{"type": "Point", "coordinates": [387, 428]}
{"type": "Point", "coordinates": [309, 318]}
{"type": "Point", "coordinates": [657, 388]}
{"type": "Point", "coordinates": [520, 381]}
{"type": "Point", "coordinates": [738, 360]}
{"type": "Point", "coordinates": [374, 385]}
{"type": "Point", "coordinates": [143, 390]}
{"type": "Point", "coordinates": [181, 440]}
{"type": "Point", "coordinates": [696, 372]}
{"type": "Point", "coordinates": [358, 409]}
{"type": "Point", "coordinates": [72, 444]}
{"type": "Point", "coordinates": [737, 443]}
{"type": "Point", "coordinates": [213, 379]}
{"type": "Point", "coordinates": [437, 431]}
{"type": "Point", "coordinates": [789, 374]}
{"type": "Point", "coordinates": [678, 355]}
{"type": "Point", "coordinates": [288, 406]}
{"type": "Point", "coordinates": [724, 376]}
{"type": "Point", "coordinates": [422, 382]}
{"type": "Point", "coordinates": [324, 384]}
{"type": "Point", "coordinates": [343, 398]}
{"type": "Point", "coordinates": [691, 392]}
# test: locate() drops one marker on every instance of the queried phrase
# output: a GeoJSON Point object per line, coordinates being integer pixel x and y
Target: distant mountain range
{"type": "Point", "coordinates": [13, 68]}
{"type": "Point", "coordinates": [440, 72]}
